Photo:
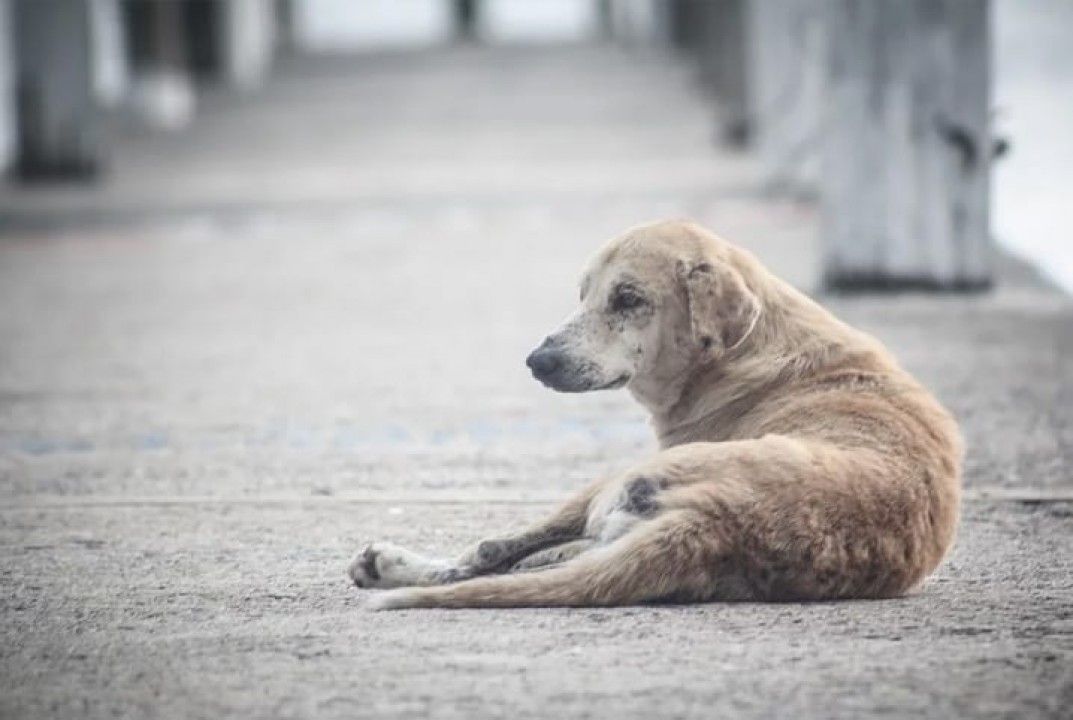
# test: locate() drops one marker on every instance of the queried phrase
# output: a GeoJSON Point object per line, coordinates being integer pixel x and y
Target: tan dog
{"type": "Point", "coordinates": [797, 462]}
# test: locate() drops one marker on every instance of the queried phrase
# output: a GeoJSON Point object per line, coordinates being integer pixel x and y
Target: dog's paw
{"type": "Point", "coordinates": [378, 565]}
{"type": "Point", "coordinates": [362, 568]}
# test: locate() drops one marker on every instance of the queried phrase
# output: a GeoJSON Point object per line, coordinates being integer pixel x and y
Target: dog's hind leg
{"type": "Point", "coordinates": [677, 555]}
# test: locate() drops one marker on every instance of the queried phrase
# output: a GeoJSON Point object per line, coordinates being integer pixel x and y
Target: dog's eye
{"type": "Point", "coordinates": [625, 298]}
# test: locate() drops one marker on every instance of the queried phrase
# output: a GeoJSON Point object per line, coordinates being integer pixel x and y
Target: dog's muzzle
{"type": "Point", "coordinates": [559, 370]}
{"type": "Point", "coordinates": [547, 364]}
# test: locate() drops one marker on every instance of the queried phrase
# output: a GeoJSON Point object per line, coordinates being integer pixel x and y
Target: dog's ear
{"type": "Point", "coordinates": [722, 310]}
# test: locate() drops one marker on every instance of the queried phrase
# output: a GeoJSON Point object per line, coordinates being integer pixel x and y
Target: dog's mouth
{"type": "Point", "coordinates": [615, 384]}
{"type": "Point", "coordinates": [571, 383]}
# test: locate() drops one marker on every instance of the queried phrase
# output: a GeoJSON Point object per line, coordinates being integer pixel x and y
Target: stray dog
{"type": "Point", "coordinates": [798, 461]}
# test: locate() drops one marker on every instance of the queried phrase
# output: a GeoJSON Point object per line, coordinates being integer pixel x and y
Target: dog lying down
{"type": "Point", "coordinates": [797, 460]}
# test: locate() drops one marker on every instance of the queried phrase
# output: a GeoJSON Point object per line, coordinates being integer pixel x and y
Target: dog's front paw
{"type": "Point", "coordinates": [385, 565]}
{"type": "Point", "coordinates": [372, 565]}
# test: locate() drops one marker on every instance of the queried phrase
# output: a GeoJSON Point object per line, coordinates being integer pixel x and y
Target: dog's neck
{"type": "Point", "coordinates": [794, 339]}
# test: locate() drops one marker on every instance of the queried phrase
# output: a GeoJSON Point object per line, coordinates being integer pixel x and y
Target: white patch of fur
{"type": "Point", "coordinates": [607, 520]}
{"type": "Point", "coordinates": [617, 524]}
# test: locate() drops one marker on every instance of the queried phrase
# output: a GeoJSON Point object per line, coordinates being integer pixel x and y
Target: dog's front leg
{"type": "Point", "coordinates": [555, 555]}
{"type": "Point", "coordinates": [385, 565]}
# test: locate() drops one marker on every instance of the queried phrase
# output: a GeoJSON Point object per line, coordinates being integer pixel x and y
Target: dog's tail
{"type": "Point", "coordinates": [667, 557]}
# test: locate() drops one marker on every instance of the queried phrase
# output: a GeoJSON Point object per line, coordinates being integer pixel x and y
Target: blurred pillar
{"type": "Point", "coordinates": [723, 55]}
{"type": "Point", "coordinates": [908, 150]}
{"type": "Point", "coordinates": [167, 35]}
{"type": "Point", "coordinates": [163, 93]}
{"type": "Point", "coordinates": [248, 38]}
{"type": "Point", "coordinates": [58, 121]}
{"type": "Point", "coordinates": [111, 73]}
{"type": "Point", "coordinates": [465, 18]}
{"type": "Point", "coordinates": [231, 41]}
{"type": "Point", "coordinates": [285, 39]}
{"type": "Point", "coordinates": [8, 128]}
{"type": "Point", "coordinates": [639, 22]}
{"type": "Point", "coordinates": [203, 37]}
{"type": "Point", "coordinates": [786, 75]}
{"type": "Point", "coordinates": [684, 25]}
{"type": "Point", "coordinates": [605, 19]}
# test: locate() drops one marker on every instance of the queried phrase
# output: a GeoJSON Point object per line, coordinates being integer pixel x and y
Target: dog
{"type": "Point", "coordinates": [797, 461]}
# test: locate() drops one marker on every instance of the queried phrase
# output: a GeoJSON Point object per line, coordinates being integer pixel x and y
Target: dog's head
{"type": "Point", "coordinates": [655, 302]}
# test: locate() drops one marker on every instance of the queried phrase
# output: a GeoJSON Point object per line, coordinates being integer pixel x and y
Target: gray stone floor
{"type": "Point", "coordinates": [301, 326]}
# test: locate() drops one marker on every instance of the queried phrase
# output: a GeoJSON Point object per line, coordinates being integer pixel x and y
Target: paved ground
{"type": "Point", "coordinates": [301, 326]}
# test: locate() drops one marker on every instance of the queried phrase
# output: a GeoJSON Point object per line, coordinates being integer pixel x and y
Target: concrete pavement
{"type": "Point", "coordinates": [301, 326]}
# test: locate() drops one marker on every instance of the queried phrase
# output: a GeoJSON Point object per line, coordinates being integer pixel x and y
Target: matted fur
{"type": "Point", "coordinates": [798, 461]}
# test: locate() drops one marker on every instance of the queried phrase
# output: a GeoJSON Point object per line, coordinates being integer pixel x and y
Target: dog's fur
{"type": "Point", "coordinates": [798, 461]}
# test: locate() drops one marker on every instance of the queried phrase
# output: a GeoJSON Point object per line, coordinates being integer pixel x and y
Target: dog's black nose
{"type": "Point", "coordinates": [544, 363]}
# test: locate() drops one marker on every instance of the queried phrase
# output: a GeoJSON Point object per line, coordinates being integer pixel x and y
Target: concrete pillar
{"type": "Point", "coordinates": [465, 19]}
{"type": "Point", "coordinates": [723, 54]}
{"type": "Point", "coordinates": [787, 73]}
{"type": "Point", "coordinates": [684, 23]}
{"type": "Point", "coordinates": [640, 22]}
{"type": "Point", "coordinates": [58, 119]}
{"type": "Point", "coordinates": [248, 38]}
{"type": "Point", "coordinates": [8, 127]}
{"type": "Point", "coordinates": [908, 149]}
{"type": "Point", "coordinates": [230, 41]}
{"type": "Point", "coordinates": [285, 34]}
{"type": "Point", "coordinates": [111, 73]}
{"type": "Point", "coordinates": [163, 92]}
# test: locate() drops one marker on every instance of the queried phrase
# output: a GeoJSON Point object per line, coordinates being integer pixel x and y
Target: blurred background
{"type": "Point", "coordinates": [78, 81]}
{"type": "Point", "coordinates": [263, 222]}
{"type": "Point", "coordinates": [269, 270]}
